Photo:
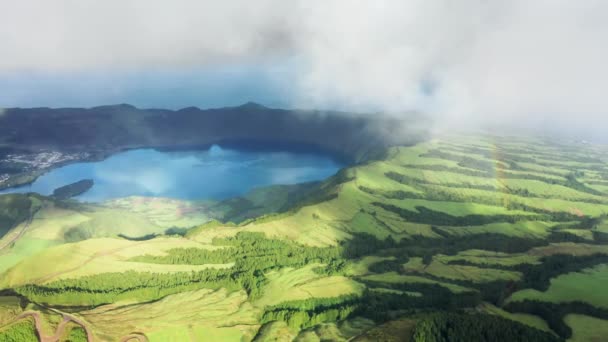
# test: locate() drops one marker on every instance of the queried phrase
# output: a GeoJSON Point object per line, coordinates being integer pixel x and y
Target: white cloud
{"type": "Point", "coordinates": [68, 34]}
{"type": "Point", "coordinates": [526, 63]}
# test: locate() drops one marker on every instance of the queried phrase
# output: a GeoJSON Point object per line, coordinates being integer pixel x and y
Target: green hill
{"type": "Point", "coordinates": [504, 231]}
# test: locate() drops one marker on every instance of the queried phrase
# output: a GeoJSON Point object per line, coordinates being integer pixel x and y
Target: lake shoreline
{"type": "Point", "coordinates": [20, 180]}
{"type": "Point", "coordinates": [161, 171]}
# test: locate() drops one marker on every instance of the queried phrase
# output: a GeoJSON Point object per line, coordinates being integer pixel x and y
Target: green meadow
{"type": "Point", "coordinates": [508, 232]}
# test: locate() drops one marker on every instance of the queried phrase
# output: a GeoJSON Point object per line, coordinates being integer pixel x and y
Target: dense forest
{"type": "Point", "coordinates": [447, 327]}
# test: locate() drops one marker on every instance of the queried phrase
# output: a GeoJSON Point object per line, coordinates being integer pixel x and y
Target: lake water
{"type": "Point", "coordinates": [211, 174]}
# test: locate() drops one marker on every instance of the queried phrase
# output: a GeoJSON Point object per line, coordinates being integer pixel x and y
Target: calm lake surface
{"type": "Point", "coordinates": [212, 174]}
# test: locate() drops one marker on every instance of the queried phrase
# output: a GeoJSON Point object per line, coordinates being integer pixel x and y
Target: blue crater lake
{"type": "Point", "coordinates": [216, 173]}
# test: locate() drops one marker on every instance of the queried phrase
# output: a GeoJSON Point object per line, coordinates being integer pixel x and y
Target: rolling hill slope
{"type": "Point", "coordinates": [509, 232]}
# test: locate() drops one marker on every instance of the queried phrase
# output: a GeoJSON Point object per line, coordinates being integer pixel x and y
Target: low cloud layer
{"type": "Point", "coordinates": [520, 63]}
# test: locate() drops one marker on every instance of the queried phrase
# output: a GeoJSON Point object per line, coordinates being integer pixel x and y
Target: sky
{"type": "Point", "coordinates": [522, 64]}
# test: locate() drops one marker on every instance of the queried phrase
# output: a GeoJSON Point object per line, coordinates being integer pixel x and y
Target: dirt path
{"type": "Point", "coordinates": [81, 323]}
{"type": "Point", "coordinates": [58, 331]}
{"type": "Point", "coordinates": [60, 328]}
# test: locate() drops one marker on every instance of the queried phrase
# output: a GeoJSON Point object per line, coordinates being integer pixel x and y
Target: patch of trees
{"type": "Point", "coordinates": [592, 222]}
{"type": "Point", "coordinates": [450, 245]}
{"type": "Point", "coordinates": [538, 276]}
{"type": "Point", "coordinates": [176, 231]}
{"type": "Point", "coordinates": [239, 206]}
{"type": "Point", "coordinates": [388, 266]}
{"type": "Point", "coordinates": [512, 155]}
{"type": "Point", "coordinates": [73, 190]}
{"type": "Point", "coordinates": [76, 234]}
{"type": "Point", "coordinates": [432, 193]}
{"type": "Point", "coordinates": [463, 161]}
{"type": "Point", "coordinates": [253, 254]}
{"type": "Point", "coordinates": [563, 236]}
{"type": "Point", "coordinates": [445, 168]}
{"type": "Point", "coordinates": [573, 183]}
{"type": "Point", "coordinates": [77, 334]}
{"type": "Point", "coordinates": [569, 180]}
{"type": "Point", "coordinates": [384, 306]}
{"type": "Point", "coordinates": [107, 288]}
{"type": "Point", "coordinates": [554, 313]}
{"type": "Point", "coordinates": [14, 209]}
{"type": "Point", "coordinates": [598, 182]}
{"type": "Point", "coordinates": [20, 331]}
{"type": "Point", "coordinates": [362, 244]}
{"type": "Point", "coordinates": [430, 216]}
{"type": "Point", "coordinates": [379, 306]}
{"type": "Point", "coordinates": [600, 237]}
{"type": "Point", "coordinates": [306, 313]}
{"type": "Point", "coordinates": [489, 167]}
{"type": "Point", "coordinates": [535, 276]}
{"type": "Point", "coordinates": [334, 267]}
{"type": "Point", "coordinates": [461, 327]}
{"type": "Point", "coordinates": [426, 185]}
{"type": "Point", "coordinates": [138, 238]}
{"type": "Point", "coordinates": [415, 182]}
{"type": "Point", "coordinates": [248, 251]}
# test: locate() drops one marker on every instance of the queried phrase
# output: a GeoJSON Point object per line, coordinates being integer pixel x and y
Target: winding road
{"type": "Point", "coordinates": [60, 328]}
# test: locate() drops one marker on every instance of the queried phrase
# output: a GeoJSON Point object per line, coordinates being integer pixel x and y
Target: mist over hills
{"type": "Point", "coordinates": [115, 127]}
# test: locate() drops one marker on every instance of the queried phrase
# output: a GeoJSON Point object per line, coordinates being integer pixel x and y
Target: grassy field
{"type": "Point", "coordinates": [396, 278]}
{"type": "Point", "coordinates": [587, 329]}
{"type": "Point", "coordinates": [527, 319]}
{"type": "Point", "coordinates": [470, 273]}
{"type": "Point", "coordinates": [296, 284]}
{"type": "Point", "coordinates": [481, 257]}
{"type": "Point", "coordinates": [176, 317]}
{"type": "Point", "coordinates": [587, 286]}
{"type": "Point", "coordinates": [9, 309]}
{"type": "Point", "coordinates": [97, 255]}
{"type": "Point", "coordinates": [469, 223]}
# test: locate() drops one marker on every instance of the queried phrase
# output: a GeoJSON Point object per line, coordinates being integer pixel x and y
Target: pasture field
{"type": "Point", "coordinates": [175, 316]}
{"type": "Point", "coordinates": [587, 286]}
{"type": "Point", "coordinates": [530, 320]}
{"type": "Point", "coordinates": [469, 273]}
{"type": "Point", "coordinates": [512, 229]}
{"type": "Point", "coordinates": [587, 329]}
{"type": "Point", "coordinates": [9, 309]}
{"type": "Point", "coordinates": [297, 284]}
{"type": "Point", "coordinates": [481, 257]}
{"type": "Point", "coordinates": [395, 278]}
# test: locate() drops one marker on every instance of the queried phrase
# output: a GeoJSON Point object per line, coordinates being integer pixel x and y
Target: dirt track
{"type": "Point", "coordinates": [60, 327]}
